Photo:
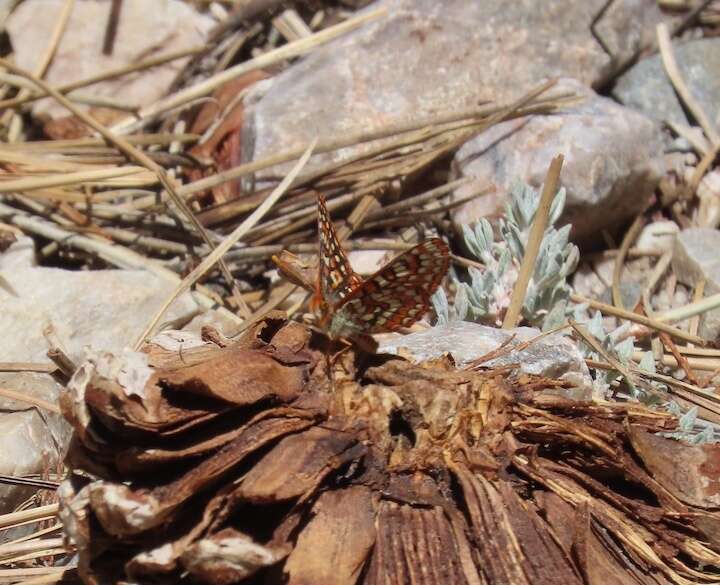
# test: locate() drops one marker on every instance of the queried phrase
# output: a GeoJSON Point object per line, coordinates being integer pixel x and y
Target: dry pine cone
{"type": "Point", "coordinates": [239, 464]}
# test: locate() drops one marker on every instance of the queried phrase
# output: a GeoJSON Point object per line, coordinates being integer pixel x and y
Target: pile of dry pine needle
{"type": "Point", "coordinates": [489, 479]}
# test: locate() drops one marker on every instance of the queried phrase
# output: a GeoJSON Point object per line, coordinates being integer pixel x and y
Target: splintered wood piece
{"type": "Point", "coordinates": [296, 464]}
{"type": "Point", "coordinates": [414, 545]}
{"type": "Point", "coordinates": [343, 528]}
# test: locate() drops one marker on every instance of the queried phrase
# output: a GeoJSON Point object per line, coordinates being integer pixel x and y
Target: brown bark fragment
{"type": "Point", "coordinates": [414, 545]}
{"type": "Point", "coordinates": [295, 464]}
{"type": "Point", "coordinates": [142, 459]}
{"type": "Point", "coordinates": [690, 472]}
{"type": "Point", "coordinates": [512, 545]}
{"type": "Point", "coordinates": [333, 548]}
{"type": "Point", "coordinates": [252, 439]}
{"type": "Point", "coordinates": [240, 377]}
{"type": "Point", "coordinates": [599, 565]}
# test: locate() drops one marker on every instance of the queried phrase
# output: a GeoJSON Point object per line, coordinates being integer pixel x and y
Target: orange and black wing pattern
{"type": "Point", "coordinates": [398, 294]}
{"type": "Point", "coordinates": [336, 278]}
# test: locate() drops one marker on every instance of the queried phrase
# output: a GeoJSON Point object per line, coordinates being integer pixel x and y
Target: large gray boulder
{"type": "Point", "coordinates": [427, 57]}
{"type": "Point", "coordinates": [613, 162]}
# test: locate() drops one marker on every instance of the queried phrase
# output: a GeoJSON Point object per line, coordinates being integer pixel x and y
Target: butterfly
{"type": "Point", "coordinates": [395, 296]}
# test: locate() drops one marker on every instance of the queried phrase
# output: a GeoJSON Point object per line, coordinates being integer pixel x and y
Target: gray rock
{"type": "Point", "coordinates": [613, 161]}
{"type": "Point", "coordinates": [647, 88]}
{"type": "Point", "coordinates": [630, 293]}
{"type": "Point", "coordinates": [695, 257]}
{"type": "Point", "coordinates": [145, 29]}
{"type": "Point", "coordinates": [102, 309]}
{"type": "Point", "coordinates": [427, 57]}
{"type": "Point", "coordinates": [43, 387]}
{"type": "Point", "coordinates": [554, 356]}
{"type": "Point", "coordinates": [27, 448]}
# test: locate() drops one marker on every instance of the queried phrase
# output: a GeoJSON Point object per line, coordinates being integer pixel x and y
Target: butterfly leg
{"type": "Point", "coordinates": [337, 354]}
{"type": "Point", "coordinates": [329, 368]}
{"type": "Point", "coordinates": [331, 358]}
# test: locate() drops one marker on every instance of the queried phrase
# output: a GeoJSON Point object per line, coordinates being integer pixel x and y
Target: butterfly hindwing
{"type": "Point", "coordinates": [398, 294]}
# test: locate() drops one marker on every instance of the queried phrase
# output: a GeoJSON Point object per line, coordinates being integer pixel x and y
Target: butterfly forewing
{"type": "Point", "coordinates": [397, 295]}
{"type": "Point", "coordinates": [336, 278]}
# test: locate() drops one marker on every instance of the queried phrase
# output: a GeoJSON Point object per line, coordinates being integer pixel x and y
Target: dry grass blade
{"type": "Point", "coordinates": [373, 171]}
{"type": "Point", "coordinates": [673, 72]}
{"type": "Point", "coordinates": [691, 309]}
{"type": "Point", "coordinates": [96, 144]}
{"type": "Point", "coordinates": [29, 546]}
{"type": "Point", "coordinates": [662, 265]}
{"type": "Point", "coordinates": [698, 295]}
{"type": "Point", "coordinates": [406, 132]}
{"type": "Point", "coordinates": [113, 73]}
{"type": "Point", "coordinates": [57, 34]}
{"type": "Point", "coordinates": [701, 169]}
{"type": "Point", "coordinates": [140, 176]}
{"type": "Point", "coordinates": [588, 338]}
{"type": "Point", "coordinates": [112, 253]}
{"type": "Point", "coordinates": [43, 63]}
{"type": "Point", "coordinates": [705, 364]}
{"type": "Point", "coordinates": [704, 351]}
{"type": "Point", "coordinates": [430, 195]}
{"type": "Point", "coordinates": [228, 242]}
{"type": "Point", "coordinates": [39, 554]}
{"type": "Point", "coordinates": [691, 17]}
{"type": "Point", "coordinates": [681, 360]}
{"type": "Point", "coordinates": [69, 576]}
{"type": "Point", "coordinates": [285, 52]}
{"type": "Point", "coordinates": [635, 318]}
{"type": "Point", "coordinates": [707, 401]}
{"type": "Point", "coordinates": [34, 514]}
{"type": "Point", "coordinates": [252, 253]}
{"type": "Point", "coordinates": [39, 483]}
{"type": "Point", "coordinates": [38, 533]}
{"type": "Point", "coordinates": [11, 575]}
{"type": "Point", "coordinates": [20, 397]}
{"type": "Point", "coordinates": [550, 187]}
{"type": "Point", "coordinates": [140, 157]}
{"type": "Point", "coordinates": [27, 367]}
{"type": "Point", "coordinates": [627, 241]}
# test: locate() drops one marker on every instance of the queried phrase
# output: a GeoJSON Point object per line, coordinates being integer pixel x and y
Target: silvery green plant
{"type": "Point", "coordinates": [691, 429]}
{"type": "Point", "coordinates": [487, 296]}
{"type": "Point", "coordinates": [614, 345]}
{"type": "Point", "coordinates": [620, 346]}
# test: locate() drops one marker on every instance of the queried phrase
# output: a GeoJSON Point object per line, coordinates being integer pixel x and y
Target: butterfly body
{"type": "Point", "coordinates": [396, 296]}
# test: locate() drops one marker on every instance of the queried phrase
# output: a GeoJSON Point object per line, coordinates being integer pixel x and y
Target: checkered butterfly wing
{"type": "Point", "coordinates": [398, 294]}
{"type": "Point", "coordinates": [336, 278]}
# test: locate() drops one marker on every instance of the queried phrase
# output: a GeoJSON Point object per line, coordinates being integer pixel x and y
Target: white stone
{"type": "Point", "coordinates": [658, 236]}
{"type": "Point", "coordinates": [554, 356]}
{"type": "Point", "coordinates": [146, 29]}
{"type": "Point", "coordinates": [27, 448]}
{"type": "Point", "coordinates": [101, 309]}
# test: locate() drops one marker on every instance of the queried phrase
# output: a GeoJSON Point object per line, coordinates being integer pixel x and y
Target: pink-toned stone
{"type": "Point", "coordinates": [147, 28]}
{"type": "Point", "coordinates": [613, 161]}
{"type": "Point", "coordinates": [427, 57]}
